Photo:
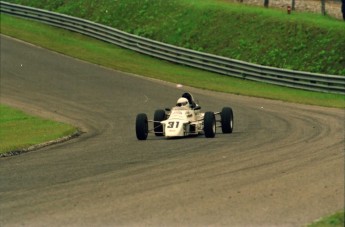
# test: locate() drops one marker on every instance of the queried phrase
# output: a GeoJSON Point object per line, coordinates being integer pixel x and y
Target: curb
{"type": "Point", "coordinates": [39, 146]}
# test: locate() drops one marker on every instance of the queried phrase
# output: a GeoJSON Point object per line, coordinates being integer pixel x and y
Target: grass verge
{"type": "Point", "coordinates": [19, 130]}
{"type": "Point", "coordinates": [108, 55]}
{"type": "Point", "coordinates": [335, 220]}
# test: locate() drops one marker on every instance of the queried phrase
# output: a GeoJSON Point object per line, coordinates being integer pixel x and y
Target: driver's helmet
{"type": "Point", "coordinates": [181, 102]}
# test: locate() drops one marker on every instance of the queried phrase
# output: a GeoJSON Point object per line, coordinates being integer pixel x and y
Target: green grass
{"type": "Point", "coordinates": [335, 220]}
{"type": "Point", "coordinates": [300, 41]}
{"type": "Point", "coordinates": [19, 130]}
{"type": "Point", "coordinates": [101, 53]}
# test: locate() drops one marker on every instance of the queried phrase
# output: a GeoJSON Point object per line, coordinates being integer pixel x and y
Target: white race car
{"type": "Point", "coordinates": [184, 119]}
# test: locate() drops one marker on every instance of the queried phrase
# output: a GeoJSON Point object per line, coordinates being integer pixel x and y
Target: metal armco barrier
{"type": "Point", "coordinates": [213, 63]}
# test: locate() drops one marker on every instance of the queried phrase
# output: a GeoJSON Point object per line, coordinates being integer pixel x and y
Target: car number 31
{"type": "Point", "coordinates": [173, 124]}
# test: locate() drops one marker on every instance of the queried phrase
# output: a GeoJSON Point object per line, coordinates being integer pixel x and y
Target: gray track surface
{"type": "Point", "coordinates": [282, 166]}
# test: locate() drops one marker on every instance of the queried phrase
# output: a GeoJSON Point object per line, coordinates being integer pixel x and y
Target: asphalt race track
{"type": "Point", "coordinates": [282, 166]}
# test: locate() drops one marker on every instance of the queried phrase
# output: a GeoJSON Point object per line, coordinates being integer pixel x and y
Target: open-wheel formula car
{"type": "Point", "coordinates": [184, 119]}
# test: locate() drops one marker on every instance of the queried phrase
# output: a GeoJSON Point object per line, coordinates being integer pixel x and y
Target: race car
{"type": "Point", "coordinates": [184, 119]}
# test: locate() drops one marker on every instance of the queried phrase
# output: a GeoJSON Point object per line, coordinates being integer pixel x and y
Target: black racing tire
{"type": "Point", "coordinates": [227, 120]}
{"type": "Point", "coordinates": [158, 127]}
{"type": "Point", "coordinates": [209, 125]}
{"type": "Point", "coordinates": [141, 126]}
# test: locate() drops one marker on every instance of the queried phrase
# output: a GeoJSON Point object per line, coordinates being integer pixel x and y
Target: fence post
{"type": "Point", "coordinates": [323, 7]}
{"type": "Point", "coordinates": [293, 4]}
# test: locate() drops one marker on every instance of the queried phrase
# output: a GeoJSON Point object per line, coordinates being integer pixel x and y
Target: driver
{"type": "Point", "coordinates": [183, 102]}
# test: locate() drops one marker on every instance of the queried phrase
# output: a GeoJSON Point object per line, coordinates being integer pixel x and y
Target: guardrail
{"type": "Point", "coordinates": [218, 64]}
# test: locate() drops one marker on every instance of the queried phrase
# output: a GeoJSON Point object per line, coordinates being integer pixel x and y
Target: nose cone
{"type": "Point", "coordinates": [174, 128]}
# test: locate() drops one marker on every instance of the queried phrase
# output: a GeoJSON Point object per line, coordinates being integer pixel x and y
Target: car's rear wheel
{"type": "Point", "coordinates": [141, 126]}
{"type": "Point", "coordinates": [209, 125]}
{"type": "Point", "coordinates": [157, 118]}
{"type": "Point", "coordinates": [227, 120]}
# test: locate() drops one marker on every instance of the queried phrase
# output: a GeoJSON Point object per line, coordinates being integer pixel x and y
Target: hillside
{"type": "Point", "coordinates": [301, 41]}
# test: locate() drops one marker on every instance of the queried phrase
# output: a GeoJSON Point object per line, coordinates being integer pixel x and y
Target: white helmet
{"type": "Point", "coordinates": [182, 102]}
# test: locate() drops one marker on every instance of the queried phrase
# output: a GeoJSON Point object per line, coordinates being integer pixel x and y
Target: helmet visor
{"type": "Point", "coordinates": [182, 104]}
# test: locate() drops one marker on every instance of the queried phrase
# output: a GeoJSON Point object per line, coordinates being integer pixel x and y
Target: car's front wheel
{"type": "Point", "coordinates": [209, 125]}
{"type": "Point", "coordinates": [141, 126]}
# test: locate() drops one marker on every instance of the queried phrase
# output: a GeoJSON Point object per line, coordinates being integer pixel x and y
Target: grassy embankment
{"type": "Point", "coordinates": [301, 41]}
{"type": "Point", "coordinates": [113, 57]}
{"type": "Point", "coordinates": [19, 130]}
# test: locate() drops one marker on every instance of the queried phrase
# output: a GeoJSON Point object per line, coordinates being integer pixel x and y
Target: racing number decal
{"type": "Point", "coordinates": [172, 123]}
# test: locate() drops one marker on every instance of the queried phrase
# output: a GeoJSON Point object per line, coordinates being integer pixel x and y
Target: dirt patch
{"type": "Point", "coordinates": [333, 8]}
